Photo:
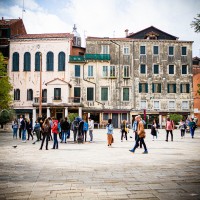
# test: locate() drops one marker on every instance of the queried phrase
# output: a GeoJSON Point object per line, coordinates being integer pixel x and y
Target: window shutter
{"type": "Point", "coordinates": [168, 88]}
{"type": "Point", "coordinates": [174, 88]}
{"type": "Point", "coordinates": [146, 87]}
{"type": "Point", "coordinates": [159, 87]}
{"type": "Point", "coordinates": [140, 87]}
{"type": "Point", "coordinates": [153, 87]}
{"type": "Point", "coordinates": [188, 88]}
{"type": "Point", "coordinates": [181, 88]}
{"type": "Point", "coordinates": [14, 94]}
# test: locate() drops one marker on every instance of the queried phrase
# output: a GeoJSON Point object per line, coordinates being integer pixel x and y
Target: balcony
{"type": "Point", "coordinates": [97, 57]}
{"type": "Point", "coordinates": [103, 57]}
{"type": "Point", "coordinates": [36, 100]}
{"type": "Point", "coordinates": [75, 99]}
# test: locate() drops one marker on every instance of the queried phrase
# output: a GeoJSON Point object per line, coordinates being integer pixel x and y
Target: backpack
{"type": "Point", "coordinates": [46, 128]}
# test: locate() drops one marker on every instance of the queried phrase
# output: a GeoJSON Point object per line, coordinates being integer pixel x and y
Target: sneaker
{"type": "Point", "coordinates": [131, 150]}
{"type": "Point", "coordinates": [145, 152]}
{"type": "Point", "coordinates": [166, 140]}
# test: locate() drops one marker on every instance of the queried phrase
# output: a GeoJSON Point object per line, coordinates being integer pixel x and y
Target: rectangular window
{"type": "Point", "coordinates": [142, 69]}
{"type": "Point", "coordinates": [171, 69]}
{"type": "Point", "coordinates": [90, 94]}
{"type": "Point", "coordinates": [183, 51]}
{"type": "Point", "coordinates": [126, 72]}
{"type": "Point", "coordinates": [184, 69]}
{"type": "Point", "coordinates": [155, 50]}
{"type": "Point", "coordinates": [126, 50]}
{"type": "Point", "coordinates": [171, 88]}
{"type": "Point", "coordinates": [44, 95]}
{"type": "Point", "coordinates": [156, 69]}
{"type": "Point", "coordinates": [143, 104]}
{"type": "Point", "coordinates": [125, 94]}
{"type": "Point", "coordinates": [143, 88]}
{"type": "Point", "coordinates": [105, 71]}
{"type": "Point", "coordinates": [156, 105]}
{"type": "Point", "coordinates": [57, 93]}
{"type": "Point", "coordinates": [112, 71]}
{"type": "Point", "coordinates": [171, 104]}
{"type": "Point", "coordinates": [105, 49]}
{"type": "Point", "coordinates": [171, 51]}
{"type": "Point", "coordinates": [77, 94]}
{"type": "Point", "coordinates": [90, 71]}
{"type": "Point", "coordinates": [156, 87]}
{"type": "Point", "coordinates": [105, 116]}
{"type": "Point", "coordinates": [104, 94]}
{"type": "Point", "coordinates": [185, 88]}
{"type": "Point", "coordinates": [142, 50]}
{"type": "Point", "coordinates": [185, 105]}
{"type": "Point", "coordinates": [124, 116]}
{"type": "Point", "coordinates": [77, 71]}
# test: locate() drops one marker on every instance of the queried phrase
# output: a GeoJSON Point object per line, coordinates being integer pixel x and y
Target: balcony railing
{"type": "Point", "coordinates": [75, 99]}
{"type": "Point", "coordinates": [105, 57]}
{"type": "Point", "coordinates": [44, 100]}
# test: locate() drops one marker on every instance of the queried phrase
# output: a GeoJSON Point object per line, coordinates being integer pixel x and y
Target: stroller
{"type": "Point", "coordinates": [187, 130]}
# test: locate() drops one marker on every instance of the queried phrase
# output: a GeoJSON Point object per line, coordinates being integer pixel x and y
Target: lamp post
{"type": "Point", "coordinates": [40, 100]}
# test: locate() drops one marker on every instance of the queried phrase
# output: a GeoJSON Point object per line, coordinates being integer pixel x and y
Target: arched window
{"type": "Point", "coordinates": [37, 61]}
{"type": "Point", "coordinates": [15, 62]}
{"type": "Point", "coordinates": [27, 61]}
{"type": "Point", "coordinates": [17, 94]}
{"type": "Point", "coordinates": [50, 61]}
{"type": "Point", "coordinates": [29, 95]}
{"type": "Point", "coordinates": [61, 61]}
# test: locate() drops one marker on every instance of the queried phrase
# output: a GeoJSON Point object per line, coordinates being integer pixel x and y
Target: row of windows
{"type": "Point", "coordinates": [171, 105]}
{"type": "Point", "coordinates": [110, 71]}
{"type": "Point", "coordinates": [155, 50]}
{"type": "Point", "coordinates": [157, 88]}
{"type": "Point", "coordinates": [49, 61]}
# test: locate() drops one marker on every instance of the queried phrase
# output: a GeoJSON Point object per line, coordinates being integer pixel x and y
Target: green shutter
{"type": "Point", "coordinates": [104, 94]}
{"type": "Point", "coordinates": [140, 87]}
{"type": "Point", "coordinates": [77, 71]}
{"type": "Point", "coordinates": [159, 87]}
{"type": "Point", "coordinates": [174, 88]}
{"type": "Point", "coordinates": [167, 88]}
{"type": "Point", "coordinates": [181, 88]}
{"type": "Point", "coordinates": [188, 88]}
{"type": "Point", "coordinates": [90, 94]}
{"type": "Point", "coordinates": [146, 87]}
{"type": "Point", "coordinates": [153, 87]}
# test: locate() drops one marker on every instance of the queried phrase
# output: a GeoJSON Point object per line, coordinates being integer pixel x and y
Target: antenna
{"type": "Point", "coordinates": [23, 10]}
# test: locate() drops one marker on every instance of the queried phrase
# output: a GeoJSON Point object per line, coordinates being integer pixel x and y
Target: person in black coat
{"type": "Point", "coordinates": [154, 129]}
{"type": "Point", "coordinates": [65, 126]}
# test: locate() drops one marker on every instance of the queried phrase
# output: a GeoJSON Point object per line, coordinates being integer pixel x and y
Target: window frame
{"type": "Point", "coordinates": [105, 49]}
{"type": "Point", "coordinates": [105, 73]}
{"type": "Point", "coordinates": [154, 68]}
{"type": "Point", "coordinates": [59, 94]}
{"type": "Point", "coordinates": [126, 50]}
{"type": "Point", "coordinates": [123, 94]}
{"type": "Point", "coordinates": [174, 88]}
{"type": "Point", "coordinates": [144, 101]}
{"type": "Point", "coordinates": [169, 51]}
{"type": "Point", "coordinates": [169, 105]}
{"type": "Point", "coordinates": [103, 88]}
{"type": "Point", "coordinates": [169, 70]}
{"type": "Point", "coordinates": [141, 53]}
{"type": "Point", "coordinates": [17, 94]}
{"type": "Point", "coordinates": [61, 61]}
{"type": "Point", "coordinates": [27, 62]}
{"type": "Point", "coordinates": [50, 61]}
{"type": "Point", "coordinates": [141, 65]}
{"type": "Point", "coordinates": [143, 88]}
{"type": "Point", "coordinates": [37, 61]}
{"type": "Point", "coordinates": [185, 108]}
{"type": "Point", "coordinates": [186, 88]}
{"type": "Point", "coordinates": [185, 51]}
{"type": "Point", "coordinates": [126, 71]}
{"type": "Point", "coordinates": [89, 92]}
{"type": "Point", "coordinates": [112, 71]}
{"type": "Point", "coordinates": [90, 71]}
{"type": "Point", "coordinates": [29, 95]}
{"type": "Point", "coordinates": [156, 88]}
{"type": "Point", "coordinates": [186, 69]}
{"type": "Point", "coordinates": [15, 62]}
{"type": "Point", "coordinates": [156, 54]}
{"type": "Point", "coordinates": [77, 71]}
{"type": "Point", "coordinates": [158, 105]}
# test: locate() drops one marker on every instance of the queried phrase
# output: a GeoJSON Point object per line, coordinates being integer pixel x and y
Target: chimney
{"type": "Point", "coordinates": [126, 31]}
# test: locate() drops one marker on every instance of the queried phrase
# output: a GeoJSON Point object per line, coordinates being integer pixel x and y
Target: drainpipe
{"type": "Point", "coordinates": [94, 85]}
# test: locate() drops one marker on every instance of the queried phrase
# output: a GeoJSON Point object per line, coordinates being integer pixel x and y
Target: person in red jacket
{"type": "Point", "coordinates": [55, 133]}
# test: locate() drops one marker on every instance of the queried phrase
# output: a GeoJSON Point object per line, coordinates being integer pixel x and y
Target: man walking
{"type": "Point", "coordinates": [91, 128]}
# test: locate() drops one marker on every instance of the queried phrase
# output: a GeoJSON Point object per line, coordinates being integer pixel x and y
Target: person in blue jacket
{"type": "Point", "coordinates": [85, 130]}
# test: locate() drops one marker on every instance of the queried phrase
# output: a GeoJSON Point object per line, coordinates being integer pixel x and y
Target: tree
{"type": "Point", "coordinates": [6, 87]}
{"type": "Point", "coordinates": [196, 24]}
{"type": "Point", "coordinates": [175, 117]}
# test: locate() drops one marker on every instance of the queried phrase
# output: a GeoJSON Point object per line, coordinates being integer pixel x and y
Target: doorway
{"type": "Point", "coordinates": [115, 120]}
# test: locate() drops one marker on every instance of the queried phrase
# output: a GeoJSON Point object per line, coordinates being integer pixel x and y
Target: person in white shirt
{"type": "Point", "coordinates": [91, 128]}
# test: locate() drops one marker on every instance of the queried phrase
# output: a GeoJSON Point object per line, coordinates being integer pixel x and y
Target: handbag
{"type": "Point", "coordinates": [142, 134]}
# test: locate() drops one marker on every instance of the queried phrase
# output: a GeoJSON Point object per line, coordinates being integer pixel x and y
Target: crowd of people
{"type": "Point", "coordinates": [51, 128]}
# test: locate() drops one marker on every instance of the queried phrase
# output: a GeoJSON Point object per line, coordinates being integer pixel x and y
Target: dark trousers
{"type": "Point", "coordinates": [20, 133]}
{"type": "Point", "coordinates": [55, 141]}
{"type": "Point", "coordinates": [45, 135]}
{"type": "Point", "coordinates": [182, 132]}
{"type": "Point", "coordinates": [122, 135]}
{"type": "Point", "coordinates": [84, 135]}
{"type": "Point", "coordinates": [29, 133]}
{"type": "Point", "coordinates": [75, 134]}
{"type": "Point", "coordinates": [169, 131]}
{"type": "Point", "coordinates": [141, 141]}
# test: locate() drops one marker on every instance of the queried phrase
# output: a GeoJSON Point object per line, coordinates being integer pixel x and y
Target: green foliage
{"type": "Point", "coordinates": [198, 91]}
{"type": "Point", "coordinates": [196, 24]}
{"type": "Point", "coordinates": [71, 116]}
{"type": "Point", "coordinates": [6, 87]}
{"type": "Point", "coordinates": [6, 116]}
{"type": "Point", "coordinates": [176, 118]}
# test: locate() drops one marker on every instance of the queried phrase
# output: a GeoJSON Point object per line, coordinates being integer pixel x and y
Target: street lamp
{"type": "Point", "coordinates": [40, 99]}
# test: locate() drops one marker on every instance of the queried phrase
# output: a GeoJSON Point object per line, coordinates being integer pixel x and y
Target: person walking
{"type": "Point", "coordinates": [65, 126]}
{"type": "Point", "coordinates": [182, 127]}
{"type": "Point", "coordinates": [37, 131]}
{"type": "Point", "coordinates": [75, 128]}
{"type": "Point", "coordinates": [51, 124]}
{"type": "Point", "coordinates": [55, 133]}
{"type": "Point", "coordinates": [20, 128]}
{"type": "Point", "coordinates": [123, 130]}
{"type": "Point", "coordinates": [192, 126]}
{"type": "Point", "coordinates": [23, 129]}
{"type": "Point", "coordinates": [91, 128]}
{"type": "Point", "coordinates": [15, 128]}
{"type": "Point", "coordinates": [154, 129]}
{"type": "Point", "coordinates": [46, 131]}
{"type": "Point", "coordinates": [109, 131]}
{"type": "Point", "coordinates": [169, 128]}
{"type": "Point", "coordinates": [85, 130]}
{"type": "Point", "coordinates": [141, 136]}
{"type": "Point", "coordinates": [29, 129]}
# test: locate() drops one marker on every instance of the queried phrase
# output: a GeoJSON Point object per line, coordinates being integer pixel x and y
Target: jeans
{"type": "Point", "coordinates": [45, 135]}
{"type": "Point", "coordinates": [15, 132]}
{"type": "Point", "coordinates": [91, 135]}
{"type": "Point", "coordinates": [169, 131]}
{"type": "Point", "coordinates": [55, 141]}
{"type": "Point", "coordinates": [20, 133]}
{"type": "Point", "coordinates": [24, 135]}
{"type": "Point", "coordinates": [141, 140]}
{"type": "Point", "coordinates": [84, 135]}
{"type": "Point", "coordinates": [182, 132]}
{"type": "Point", "coordinates": [192, 132]}
{"type": "Point", "coordinates": [64, 135]}
{"type": "Point", "coordinates": [122, 135]}
{"type": "Point", "coordinates": [75, 134]}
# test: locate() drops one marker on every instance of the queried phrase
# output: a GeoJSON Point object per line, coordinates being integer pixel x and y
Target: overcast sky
{"type": "Point", "coordinates": [106, 18]}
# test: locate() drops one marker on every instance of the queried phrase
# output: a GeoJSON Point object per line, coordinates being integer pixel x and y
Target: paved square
{"type": "Point", "coordinates": [171, 170]}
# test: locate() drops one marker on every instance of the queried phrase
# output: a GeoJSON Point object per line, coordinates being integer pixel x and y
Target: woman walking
{"type": "Point", "coordinates": [85, 129]}
{"type": "Point", "coordinates": [15, 128]}
{"type": "Point", "coordinates": [55, 133]}
{"type": "Point", "coordinates": [154, 129]}
{"type": "Point", "coordinates": [192, 126]}
{"type": "Point", "coordinates": [123, 130]}
{"type": "Point", "coordinates": [169, 128]}
{"type": "Point", "coordinates": [46, 131]}
{"type": "Point", "coordinates": [109, 130]}
{"type": "Point", "coordinates": [29, 129]}
{"type": "Point", "coordinates": [182, 127]}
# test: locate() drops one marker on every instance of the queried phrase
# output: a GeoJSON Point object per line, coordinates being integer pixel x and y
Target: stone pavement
{"type": "Point", "coordinates": [93, 171]}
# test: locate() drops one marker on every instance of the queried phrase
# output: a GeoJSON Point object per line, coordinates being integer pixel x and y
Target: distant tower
{"type": "Point", "coordinates": [76, 38]}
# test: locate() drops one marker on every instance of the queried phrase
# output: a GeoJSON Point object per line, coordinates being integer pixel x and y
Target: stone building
{"type": "Point", "coordinates": [146, 72]}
